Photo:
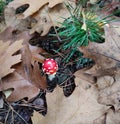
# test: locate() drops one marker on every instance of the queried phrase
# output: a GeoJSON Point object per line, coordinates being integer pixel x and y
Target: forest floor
{"type": "Point", "coordinates": [83, 92]}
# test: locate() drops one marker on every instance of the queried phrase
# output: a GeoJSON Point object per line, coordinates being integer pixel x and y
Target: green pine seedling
{"type": "Point", "coordinates": [81, 28]}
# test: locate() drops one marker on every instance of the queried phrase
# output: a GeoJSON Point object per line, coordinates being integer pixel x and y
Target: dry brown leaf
{"type": "Point", "coordinates": [113, 117]}
{"type": "Point", "coordinates": [80, 108]}
{"type": "Point", "coordinates": [11, 34]}
{"type": "Point", "coordinates": [86, 76]}
{"type": "Point", "coordinates": [100, 120]}
{"type": "Point", "coordinates": [34, 6]}
{"type": "Point", "coordinates": [48, 17]}
{"type": "Point", "coordinates": [36, 118]}
{"type": "Point", "coordinates": [31, 81]}
{"type": "Point", "coordinates": [110, 117]}
{"type": "Point", "coordinates": [104, 82]}
{"type": "Point", "coordinates": [111, 94]}
{"type": "Point", "coordinates": [105, 56]}
{"type": "Point", "coordinates": [11, 20]}
{"type": "Point", "coordinates": [7, 59]}
{"type": "Point", "coordinates": [36, 54]}
{"type": "Point", "coordinates": [33, 74]}
{"type": "Point", "coordinates": [2, 26]}
{"type": "Point", "coordinates": [21, 87]}
{"type": "Point", "coordinates": [104, 66]}
{"type": "Point", "coordinates": [111, 47]}
{"type": "Point", "coordinates": [37, 78]}
{"type": "Point", "coordinates": [6, 35]}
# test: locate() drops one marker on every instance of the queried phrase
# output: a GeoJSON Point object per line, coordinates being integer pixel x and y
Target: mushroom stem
{"type": "Point", "coordinates": [51, 76]}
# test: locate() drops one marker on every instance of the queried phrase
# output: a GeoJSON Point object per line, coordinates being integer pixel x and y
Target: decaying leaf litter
{"type": "Point", "coordinates": [95, 100]}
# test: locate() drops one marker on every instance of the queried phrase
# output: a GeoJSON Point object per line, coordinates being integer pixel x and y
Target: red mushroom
{"type": "Point", "coordinates": [50, 67]}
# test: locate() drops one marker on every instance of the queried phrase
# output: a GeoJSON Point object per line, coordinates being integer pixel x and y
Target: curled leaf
{"type": "Point", "coordinates": [7, 58]}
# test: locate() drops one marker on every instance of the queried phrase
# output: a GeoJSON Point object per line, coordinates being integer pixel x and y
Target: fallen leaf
{"type": "Point", "coordinates": [11, 20]}
{"type": "Point", "coordinates": [2, 26]}
{"type": "Point", "coordinates": [36, 118]}
{"type": "Point", "coordinates": [11, 34]}
{"type": "Point", "coordinates": [48, 17]}
{"type": "Point", "coordinates": [6, 35]}
{"type": "Point", "coordinates": [104, 82]}
{"type": "Point", "coordinates": [113, 117]}
{"type": "Point", "coordinates": [22, 88]}
{"type": "Point", "coordinates": [104, 66]}
{"type": "Point", "coordinates": [80, 108]}
{"type": "Point", "coordinates": [34, 6]}
{"type": "Point", "coordinates": [36, 54]}
{"type": "Point", "coordinates": [33, 74]}
{"type": "Point", "coordinates": [7, 58]}
{"type": "Point", "coordinates": [111, 94]}
{"type": "Point", "coordinates": [111, 47]}
{"type": "Point", "coordinates": [105, 55]}
{"type": "Point", "coordinates": [39, 80]}
{"type": "Point", "coordinates": [31, 82]}
{"type": "Point", "coordinates": [100, 120]}
{"type": "Point", "coordinates": [86, 76]}
{"type": "Point", "coordinates": [110, 117]}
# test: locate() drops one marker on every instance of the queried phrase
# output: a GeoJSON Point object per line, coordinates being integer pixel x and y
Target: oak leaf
{"type": "Point", "coordinates": [31, 68]}
{"type": "Point", "coordinates": [80, 108]}
{"type": "Point", "coordinates": [48, 17]}
{"type": "Point", "coordinates": [36, 118]}
{"type": "Point", "coordinates": [12, 34]}
{"type": "Point", "coordinates": [34, 6]}
{"type": "Point", "coordinates": [22, 88]}
{"type": "Point", "coordinates": [7, 59]}
{"type": "Point", "coordinates": [21, 84]}
{"type": "Point", "coordinates": [100, 120]}
{"type": "Point", "coordinates": [11, 20]}
{"type": "Point", "coordinates": [110, 117]}
{"type": "Point", "coordinates": [113, 117]}
{"type": "Point", "coordinates": [106, 55]}
{"type": "Point", "coordinates": [110, 95]}
{"type": "Point", "coordinates": [111, 47]}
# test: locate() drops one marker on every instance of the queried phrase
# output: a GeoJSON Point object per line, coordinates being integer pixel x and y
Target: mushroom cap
{"type": "Point", "coordinates": [50, 66]}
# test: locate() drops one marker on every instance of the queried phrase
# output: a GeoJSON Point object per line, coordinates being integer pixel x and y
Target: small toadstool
{"type": "Point", "coordinates": [50, 67]}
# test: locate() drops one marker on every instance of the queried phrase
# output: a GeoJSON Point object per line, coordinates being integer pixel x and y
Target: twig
{"type": "Point", "coordinates": [20, 116]}
{"type": "Point", "coordinates": [7, 116]}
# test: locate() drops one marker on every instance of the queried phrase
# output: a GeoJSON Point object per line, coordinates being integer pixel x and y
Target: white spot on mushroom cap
{"type": "Point", "coordinates": [49, 62]}
{"type": "Point", "coordinates": [55, 67]}
{"type": "Point", "coordinates": [49, 67]}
